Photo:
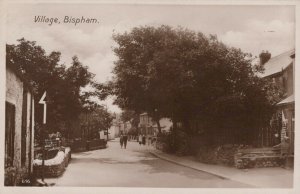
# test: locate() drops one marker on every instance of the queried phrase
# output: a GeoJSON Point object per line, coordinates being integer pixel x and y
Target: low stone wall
{"type": "Point", "coordinates": [241, 156]}
{"type": "Point", "coordinates": [53, 167]}
{"type": "Point", "coordinates": [223, 154]}
{"type": "Point", "coordinates": [258, 157]}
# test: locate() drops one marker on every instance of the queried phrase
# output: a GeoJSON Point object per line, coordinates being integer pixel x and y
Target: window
{"type": "Point", "coordinates": [284, 84]}
{"type": "Point", "coordinates": [10, 112]}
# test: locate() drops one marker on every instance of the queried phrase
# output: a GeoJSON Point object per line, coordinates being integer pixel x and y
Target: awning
{"type": "Point", "coordinates": [286, 101]}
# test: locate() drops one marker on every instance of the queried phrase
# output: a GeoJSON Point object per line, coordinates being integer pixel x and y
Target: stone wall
{"type": "Point", "coordinates": [53, 167]}
{"type": "Point", "coordinates": [14, 95]}
{"type": "Point", "coordinates": [258, 157]}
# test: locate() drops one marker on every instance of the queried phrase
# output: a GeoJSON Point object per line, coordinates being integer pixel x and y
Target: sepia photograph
{"type": "Point", "coordinates": [145, 95]}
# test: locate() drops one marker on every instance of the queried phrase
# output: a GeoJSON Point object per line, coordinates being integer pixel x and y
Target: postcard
{"type": "Point", "coordinates": [149, 97]}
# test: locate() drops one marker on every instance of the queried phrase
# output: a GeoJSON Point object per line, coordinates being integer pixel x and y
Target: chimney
{"type": "Point", "coordinates": [264, 57]}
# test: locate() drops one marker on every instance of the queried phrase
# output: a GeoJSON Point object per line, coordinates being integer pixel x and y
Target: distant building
{"type": "Point", "coordinates": [114, 130]}
{"type": "Point", "coordinates": [280, 70]}
{"type": "Point", "coordinates": [148, 127]}
{"type": "Point", "coordinates": [123, 127]}
{"type": "Point", "coordinates": [19, 126]}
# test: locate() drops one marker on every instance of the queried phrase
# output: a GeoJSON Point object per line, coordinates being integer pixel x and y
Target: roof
{"type": "Point", "coordinates": [288, 100]}
{"type": "Point", "coordinates": [278, 63]}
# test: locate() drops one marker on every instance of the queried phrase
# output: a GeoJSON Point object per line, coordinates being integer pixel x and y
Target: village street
{"type": "Point", "coordinates": [202, 95]}
{"type": "Point", "coordinates": [132, 167]}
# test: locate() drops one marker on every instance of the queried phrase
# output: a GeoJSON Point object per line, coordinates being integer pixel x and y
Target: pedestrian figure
{"type": "Point", "coordinates": [121, 141]}
{"type": "Point", "coordinates": [144, 140]}
{"type": "Point", "coordinates": [125, 138]}
{"type": "Point", "coordinates": [149, 141]}
{"type": "Point", "coordinates": [140, 139]}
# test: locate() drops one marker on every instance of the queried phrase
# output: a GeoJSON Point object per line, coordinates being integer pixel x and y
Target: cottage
{"type": "Point", "coordinates": [280, 69]}
{"type": "Point", "coordinates": [19, 128]}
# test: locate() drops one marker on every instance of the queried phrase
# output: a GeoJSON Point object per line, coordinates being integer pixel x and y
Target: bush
{"type": "Point", "coordinates": [13, 176]}
{"type": "Point", "coordinates": [176, 143]}
{"type": "Point", "coordinates": [10, 176]}
{"type": "Point", "coordinates": [207, 155]}
{"type": "Point", "coordinates": [181, 143]}
{"type": "Point", "coordinates": [224, 154]}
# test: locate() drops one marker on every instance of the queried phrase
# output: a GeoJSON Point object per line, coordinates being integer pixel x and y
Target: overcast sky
{"type": "Point", "coordinates": [251, 28]}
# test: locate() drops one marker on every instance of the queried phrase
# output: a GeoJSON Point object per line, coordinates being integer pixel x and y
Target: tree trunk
{"type": "Point", "coordinates": [107, 134]}
{"type": "Point", "coordinates": [187, 126]}
{"type": "Point", "coordinates": [158, 125]}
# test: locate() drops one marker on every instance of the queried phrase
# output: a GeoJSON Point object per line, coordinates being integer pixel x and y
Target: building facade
{"type": "Point", "coordinates": [280, 70]}
{"type": "Point", "coordinates": [19, 128]}
{"type": "Point", "coordinates": [148, 127]}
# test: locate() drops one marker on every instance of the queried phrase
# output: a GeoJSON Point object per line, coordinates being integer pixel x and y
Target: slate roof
{"type": "Point", "coordinates": [278, 63]}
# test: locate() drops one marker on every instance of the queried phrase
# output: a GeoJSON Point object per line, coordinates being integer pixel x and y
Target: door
{"type": "Point", "coordinates": [10, 112]}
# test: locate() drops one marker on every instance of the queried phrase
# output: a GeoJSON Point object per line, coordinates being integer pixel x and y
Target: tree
{"type": "Point", "coordinates": [133, 118]}
{"type": "Point", "coordinates": [63, 85]}
{"type": "Point", "coordinates": [186, 76]}
{"type": "Point", "coordinates": [264, 57]}
{"type": "Point", "coordinates": [95, 118]}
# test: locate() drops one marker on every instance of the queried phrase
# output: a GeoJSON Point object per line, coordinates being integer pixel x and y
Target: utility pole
{"type": "Point", "coordinates": [42, 101]}
{"type": "Point", "coordinates": [106, 122]}
{"type": "Point", "coordinates": [107, 133]}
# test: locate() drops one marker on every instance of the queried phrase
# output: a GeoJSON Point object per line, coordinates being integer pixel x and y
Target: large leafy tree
{"type": "Point", "coordinates": [95, 118]}
{"type": "Point", "coordinates": [186, 76]}
{"type": "Point", "coordinates": [132, 117]}
{"type": "Point", "coordinates": [44, 72]}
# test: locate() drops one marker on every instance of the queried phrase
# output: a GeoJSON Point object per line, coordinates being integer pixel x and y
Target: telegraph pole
{"type": "Point", "coordinates": [107, 134]}
{"type": "Point", "coordinates": [42, 101]}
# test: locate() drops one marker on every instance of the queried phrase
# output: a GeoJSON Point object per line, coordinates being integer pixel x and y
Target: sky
{"type": "Point", "coordinates": [252, 28]}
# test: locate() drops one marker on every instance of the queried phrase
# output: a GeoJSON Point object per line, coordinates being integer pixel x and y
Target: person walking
{"type": "Point", "coordinates": [144, 140]}
{"type": "Point", "coordinates": [121, 141]}
{"type": "Point", "coordinates": [125, 138]}
{"type": "Point", "coordinates": [140, 139]}
{"type": "Point", "coordinates": [149, 140]}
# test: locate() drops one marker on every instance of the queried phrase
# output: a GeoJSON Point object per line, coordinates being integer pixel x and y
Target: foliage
{"type": "Point", "coordinates": [175, 142]}
{"type": "Point", "coordinates": [181, 143]}
{"type": "Point", "coordinates": [97, 119]}
{"type": "Point", "coordinates": [207, 155]}
{"type": "Point", "coordinates": [185, 75]}
{"type": "Point", "coordinates": [10, 176]}
{"type": "Point", "coordinates": [14, 176]}
{"type": "Point", "coordinates": [132, 117]}
{"type": "Point", "coordinates": [63, 84]}
{"type": "Point", "coordinates": [264, 57]}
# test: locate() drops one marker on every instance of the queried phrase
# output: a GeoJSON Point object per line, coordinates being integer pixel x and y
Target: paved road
{"type": "Point", "coordinates": [133, 167]}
